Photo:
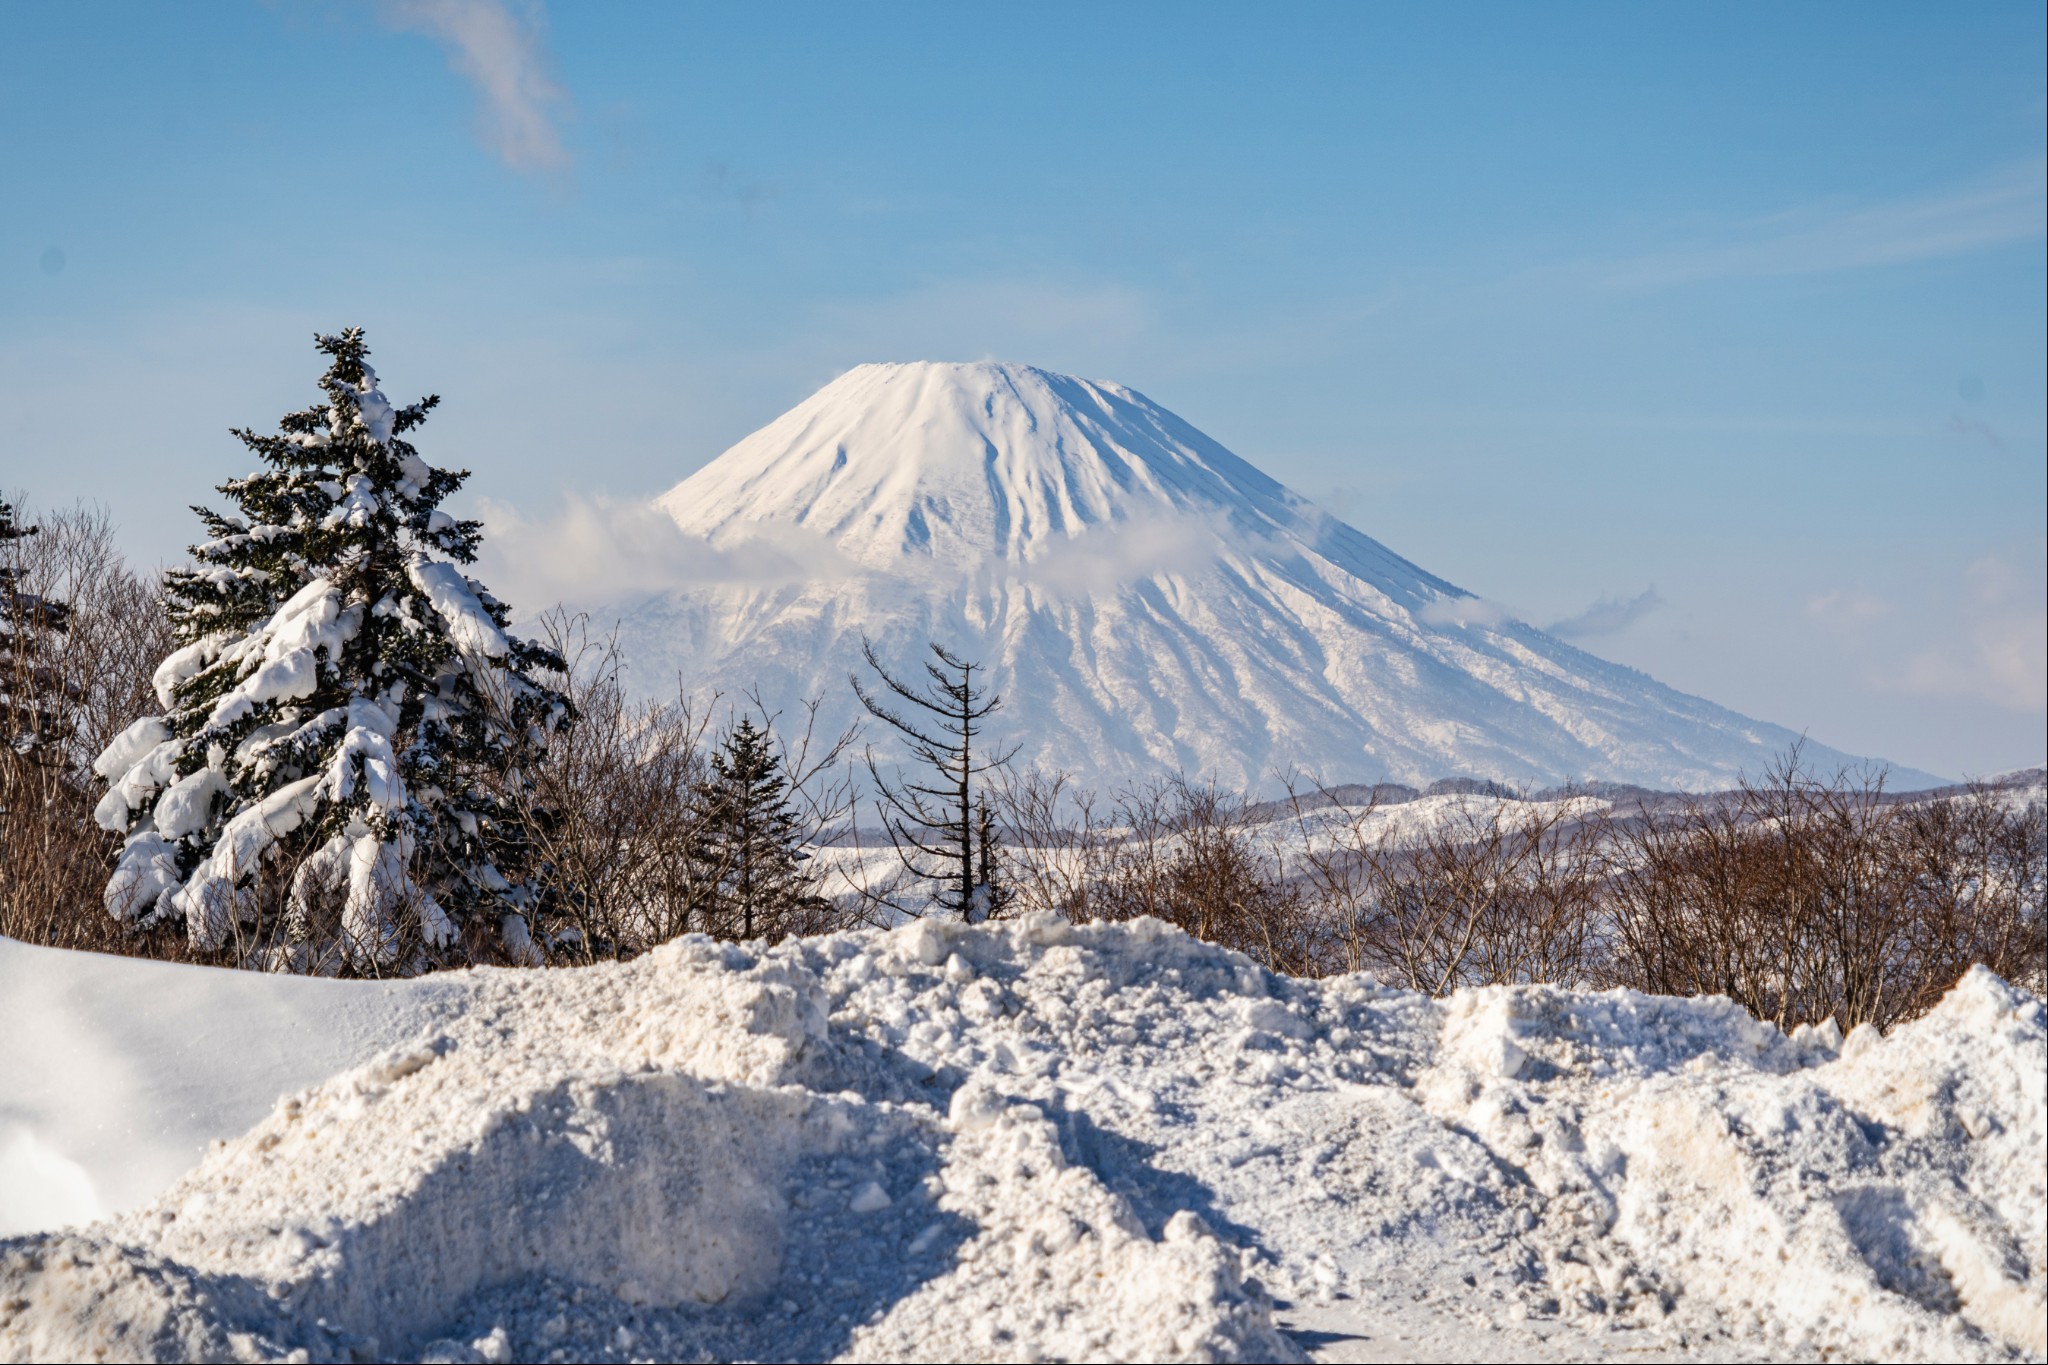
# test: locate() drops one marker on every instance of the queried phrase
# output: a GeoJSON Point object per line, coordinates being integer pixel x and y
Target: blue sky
{"type": "Point", "coordinates": [1715, 332]}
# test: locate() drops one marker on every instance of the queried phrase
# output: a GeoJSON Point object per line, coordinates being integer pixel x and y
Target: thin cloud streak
{"type": "Point", "coordinates": [2003, 208]}
{"type": "Point", "coordinates": [1126, 552]}
{"type": "Point", "coordinates": [601, 551]}
{"type": "Point", "coordinates": [1464, 613]}
{"type": "Point", "coordinates": [502, 54]}
{"type": "Point", "coordinates": [1982, 637]}
{"type": "Point", "coordinates": [1608, 616]}
{"type": "Point", "coordinates": [1999, 660]}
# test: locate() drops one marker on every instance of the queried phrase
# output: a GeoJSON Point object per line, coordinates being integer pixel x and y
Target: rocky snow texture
{"type": "Point", "coordinates": [1033, 1141]}
{"type": "Point", "coordinates": [1147, 600]}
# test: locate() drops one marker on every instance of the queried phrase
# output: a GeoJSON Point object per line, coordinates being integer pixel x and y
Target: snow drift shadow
{"type": "Point", "coordinates": [651, 1202]}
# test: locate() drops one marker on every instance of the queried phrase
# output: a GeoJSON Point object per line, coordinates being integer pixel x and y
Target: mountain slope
{"type": "Point", "coordinates": [1146, 598]}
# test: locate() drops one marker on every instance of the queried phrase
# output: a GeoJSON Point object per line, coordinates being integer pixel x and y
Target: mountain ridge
{"type": "Point", "coordinates": [1145, 597]}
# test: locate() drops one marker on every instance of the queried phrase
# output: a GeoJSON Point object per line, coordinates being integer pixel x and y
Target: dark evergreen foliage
{"type": "Point", "coordinates": [32, 713]}
{"type": "Point", "coordinates": [346, 716]}
{"type": "Point", "coordinates": [749, 847]}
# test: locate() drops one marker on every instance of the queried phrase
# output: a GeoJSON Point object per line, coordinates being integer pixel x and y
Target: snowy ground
{"type": "Point", "coordinates": [1014, 1142]}
{"type": "Point", "coordinates": [849, 869]}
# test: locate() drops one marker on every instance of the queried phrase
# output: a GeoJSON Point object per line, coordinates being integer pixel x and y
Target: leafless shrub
{"type": "Point", "coordinates": [1802, 898]}
{"type": "Point", "coordinates": [95, 675]}
{"type": "Point", "coordinates": [1975, 867]}
{"type": "Point", "coordinates": [1185, 852]}
{"type": "Point", "coordinates": [618, 811]}
{"type": "Point", "coordinates": [611, 809]}
{"type": "Point", "coordinates": [1806, 899]}
{"type": "Point", "coordinates": [1056, 846]}
{"type": "Point", "coordinates": [1487, 892]}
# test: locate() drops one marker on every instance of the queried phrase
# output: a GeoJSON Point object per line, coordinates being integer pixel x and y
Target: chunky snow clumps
{"type": "Point", "coordinates": [1034, 1141]}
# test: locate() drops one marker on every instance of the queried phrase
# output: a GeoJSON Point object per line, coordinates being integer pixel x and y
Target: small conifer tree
{"type": "Point", "coordinates": [32, 711]}
{"type": "Point", "coordinates": [749, 847]}
{"type": "Point", "coordinates": [345, 717]}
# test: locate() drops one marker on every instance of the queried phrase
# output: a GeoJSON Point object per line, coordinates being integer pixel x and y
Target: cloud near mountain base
{"type": "Point", "coordinates": [598, 551]}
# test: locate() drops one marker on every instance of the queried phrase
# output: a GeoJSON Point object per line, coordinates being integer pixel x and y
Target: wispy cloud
{"type": "Point", "coordinates": [1125, 552]}
{"type": "Point", "coordinates": [1847, 606]}
{"type": "Point", "coordinates": [1999, 661]}
{"type": "Point", "coordinates": [1463, 612]}
{"type": "Point", "coordinates": [1975, 430]}
{"type": "Point", "coordinates": [599, 551]}
{"type": "Point", "coordinates": [2001, 208]}
{"type": "Point", "coordinates": [1980, 636]}
{"type": "Point", "coordinates": [1997, 650]}
{"type": "Point", "coordinates": [502, 54]}
{"type": "Point", "coordinates": [1608, 616]}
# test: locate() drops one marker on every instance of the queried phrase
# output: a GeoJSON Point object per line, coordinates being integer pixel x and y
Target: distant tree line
{"type": "Point", "coordinates": [1802, 896]}
{"type": "Point", "coordinates": [319, 748]}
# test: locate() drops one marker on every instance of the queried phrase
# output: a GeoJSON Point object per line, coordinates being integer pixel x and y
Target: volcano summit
{"type": "Point", "coordinates": [1147, 600]}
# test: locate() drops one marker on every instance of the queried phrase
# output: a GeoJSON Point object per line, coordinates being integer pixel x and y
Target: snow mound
{"type": "Point", "coordinates": [118, 1072]}
{"type": "Point", "coordinates": [1032, 1141]}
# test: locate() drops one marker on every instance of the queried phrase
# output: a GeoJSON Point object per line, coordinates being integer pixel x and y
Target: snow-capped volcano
{"type": "Point", "coordinates": [961, 465]}
{"type": "Point", "coordinates": [1147, 599]}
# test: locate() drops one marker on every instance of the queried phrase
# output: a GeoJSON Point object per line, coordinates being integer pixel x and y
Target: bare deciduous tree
{"type": "Point", "coordinates": [91, 680]}
{"type": "Point", "coordinates": [620, 818]}
{"type": "Point", "coordinates": [943, 827]}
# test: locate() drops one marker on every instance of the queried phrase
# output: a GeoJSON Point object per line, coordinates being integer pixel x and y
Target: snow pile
{"type": "Point", "coordinates": [1029, 1141]}
{"type": "Point", "coordinates": [119, 1072]}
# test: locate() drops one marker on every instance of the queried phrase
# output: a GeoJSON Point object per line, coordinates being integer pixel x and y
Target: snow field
{"type": "Point", "coordinates": [119, 1072]}
{"type": "Point", "coordinates": [1030, 1140]}
{"type": "Point", "coordinates": [847, 870]}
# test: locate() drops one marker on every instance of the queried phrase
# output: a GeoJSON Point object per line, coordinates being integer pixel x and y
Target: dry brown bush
{"type": "Point", "coordinates": [617, 810]}
{"type": "Point", "coordinates": [1056, 843]}
{"type": "Point", "coordinates": [1490, 893]}
{"type": "Point", "coordinates": [1976, 867]}
{"type": "Point", "coordinates": [1188, 853]}
{"type": "Point", "coordinates": [1806, 899]}
{"type": "Point", "coordinates": [53, 859]}
{"type": "Point", "coordinates": [1803, 899]}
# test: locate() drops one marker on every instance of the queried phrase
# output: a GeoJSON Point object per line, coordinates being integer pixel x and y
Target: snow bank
{"type": "Point", "coordinates": [118, 1073]}
{"type": "Point", "coordinates": [1029, 1141]}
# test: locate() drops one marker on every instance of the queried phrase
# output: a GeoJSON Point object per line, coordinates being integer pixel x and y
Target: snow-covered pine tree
{"type": "Point", "coordinates": [344, 717]}
{"type": "Point", "coordinates": [749, 845]}
{"type": "Point", "coordinates": [32, 719]}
